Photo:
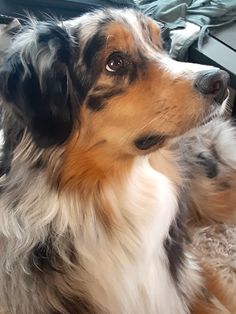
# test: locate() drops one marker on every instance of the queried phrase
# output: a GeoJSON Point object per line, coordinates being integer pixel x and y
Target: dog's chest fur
{"type": "Point", "coordinates": [126, 271]}
{"type": "Point", "coordinates": [131, 267]}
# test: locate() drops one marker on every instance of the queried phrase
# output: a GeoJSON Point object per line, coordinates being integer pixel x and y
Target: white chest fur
{"type": "Point", "coordinates": [132, 275]}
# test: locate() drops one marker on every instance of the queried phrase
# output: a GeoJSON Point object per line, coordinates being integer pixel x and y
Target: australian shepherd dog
{"type": "Point", "coordinates": [94, 185]}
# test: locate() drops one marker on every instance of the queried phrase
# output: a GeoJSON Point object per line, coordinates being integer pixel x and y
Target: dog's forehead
{"type": "Point", "coordinates": [118, 25]}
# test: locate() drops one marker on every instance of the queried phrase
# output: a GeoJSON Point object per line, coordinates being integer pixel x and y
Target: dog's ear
{"type": "Point", "coordinates": [35, 81]}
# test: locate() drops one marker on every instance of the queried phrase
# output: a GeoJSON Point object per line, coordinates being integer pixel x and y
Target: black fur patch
{"type": "Point", "coordinates": [45, 109]}
{"type": "Point", "coordinates": [209, 164]}
{"type": "Point", "coordinates": [51, 32]}
{"type": "Point", "coordinates": [135, 71]}
{"type": "Point", "coordinates": [147, 141]}
{"type": "Point", "coordinates": [12, 133]}
{"type": "Point", "coordinates": [174, 248]}
{"type": "Point", "coordinates": [174, 243]}
{"type": "Point", "coordinates": [45, 260]}
{"type": "Point", "coordinates": [44, 257]}
{"type": "Point", "coordinates": [95, 103]}
{"type": "Point", "coordinates": [93, 47]}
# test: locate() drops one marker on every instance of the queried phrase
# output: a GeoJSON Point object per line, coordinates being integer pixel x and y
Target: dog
{"type": "Point", "coordinates": [93, 200]}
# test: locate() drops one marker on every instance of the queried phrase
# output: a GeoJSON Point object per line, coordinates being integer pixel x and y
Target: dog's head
{"type": "Point", "coordinates": [103, 81]}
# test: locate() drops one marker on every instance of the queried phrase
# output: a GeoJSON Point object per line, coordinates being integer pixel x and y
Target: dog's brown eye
{"type": "Point", "coordinates": [116, 62]}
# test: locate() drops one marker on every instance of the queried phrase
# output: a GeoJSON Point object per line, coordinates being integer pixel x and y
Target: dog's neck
{"type": "Point", "coordinates": [132, 248]}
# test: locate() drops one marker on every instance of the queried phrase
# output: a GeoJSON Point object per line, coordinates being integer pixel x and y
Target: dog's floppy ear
{"type": "Point", "coordinates": [35, 81]}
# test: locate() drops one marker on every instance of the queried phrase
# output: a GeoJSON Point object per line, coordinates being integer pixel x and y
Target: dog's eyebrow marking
{"type": "Point", "coordinates": [145, 142]}
{"type": "Point", "coordinates": [93, 47]}
{"type": "Point", "coordinates": [97, 101]}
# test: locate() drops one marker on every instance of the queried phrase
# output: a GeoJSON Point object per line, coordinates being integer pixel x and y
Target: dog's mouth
{"type": "Point", "coordinates": [149, 141]}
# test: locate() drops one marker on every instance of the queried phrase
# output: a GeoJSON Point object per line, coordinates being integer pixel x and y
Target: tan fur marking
{"type": "Point", "coordinates": [119, 38]}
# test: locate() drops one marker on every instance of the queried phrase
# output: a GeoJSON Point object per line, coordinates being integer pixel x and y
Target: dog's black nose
{"type": "Point", "coordinates": [213, 82]}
